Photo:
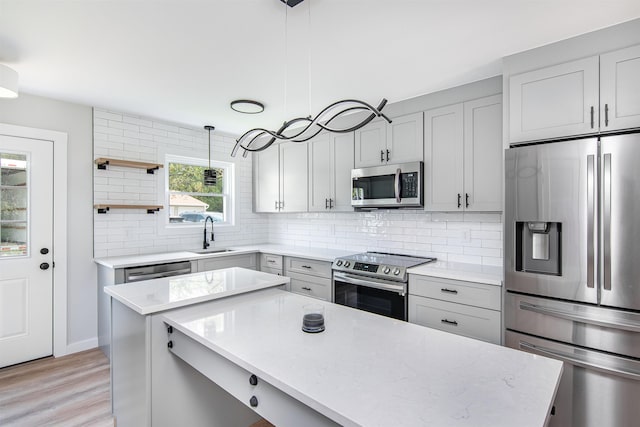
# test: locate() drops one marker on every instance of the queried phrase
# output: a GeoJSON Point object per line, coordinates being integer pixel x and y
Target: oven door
{"type": "Point", "coordinates": [383, 297]}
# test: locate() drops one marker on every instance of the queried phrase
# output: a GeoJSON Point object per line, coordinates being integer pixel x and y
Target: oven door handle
{"type": "Point", "coordinates": [400, 288]}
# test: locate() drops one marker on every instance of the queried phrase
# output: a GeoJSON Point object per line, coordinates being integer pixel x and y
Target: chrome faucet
{"type": "Point", "coordinates": [205, 243]}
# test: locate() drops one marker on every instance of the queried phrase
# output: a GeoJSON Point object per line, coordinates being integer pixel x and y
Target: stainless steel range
{"type": "Point", "coordinates": [375, 282]}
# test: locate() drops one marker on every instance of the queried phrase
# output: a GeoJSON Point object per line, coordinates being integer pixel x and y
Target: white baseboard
{"type": "Point", "coordinates": [81, 346]}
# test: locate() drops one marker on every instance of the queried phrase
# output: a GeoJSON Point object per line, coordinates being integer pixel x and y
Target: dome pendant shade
{"type": "Point", "coordinates": [8, 82]}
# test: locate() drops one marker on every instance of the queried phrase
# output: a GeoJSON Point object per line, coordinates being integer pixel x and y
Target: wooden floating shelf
{"type": "Point", "coordinates": [103, 162]}
{"type": "Point", "coordinates": [104, 208]}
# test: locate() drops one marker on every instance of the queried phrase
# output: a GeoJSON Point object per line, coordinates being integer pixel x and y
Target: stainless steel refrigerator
{"type": "Point", "coordinates": [572, 271]}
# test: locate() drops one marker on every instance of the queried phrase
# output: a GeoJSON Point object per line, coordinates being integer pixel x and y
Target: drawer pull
{"type": "Point", "coordinates": [449, 322]}
{"type": "Point", "coordinates": [305, 266]}
{"type": "Point", "coordinates": [449, 291]}
{"type": "Point", "coordinates": [271, 261]}
{"type": "Point", "coordinates": [306, 289]}
{"type": "Point", "coordinates": [253, 380]}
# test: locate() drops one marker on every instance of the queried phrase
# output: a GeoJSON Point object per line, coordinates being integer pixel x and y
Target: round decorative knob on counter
{"type": "Point", "coordinates": [339, 262]}
{"type": "Point", "coordinates": [396, 271]}
{"type": "Point", "coordinates": [253, 401]}
{"type": "Point", "coordinates": [253, 380]}
{"type": "Point", "coordinates": [347, 263]}
{"type": "Point", "coordinates": [386, 270]}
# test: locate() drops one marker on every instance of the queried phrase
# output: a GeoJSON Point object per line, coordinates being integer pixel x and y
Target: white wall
{"type": "Point", "coordinates": [131, 232]}
{"type": "Point", "coordinates": [75, 120]}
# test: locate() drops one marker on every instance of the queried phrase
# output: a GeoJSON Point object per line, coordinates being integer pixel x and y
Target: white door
{"type": "Point", "coordinates": [342, 158]}
{"type": "Point", "coordinates": [320, 173]}
{"type": "Point", "coordinates": [26, 236]}
{"type": "Point", "coordinates": [294, 177]}
{"type": "Point", "coordinates": [266, 184]}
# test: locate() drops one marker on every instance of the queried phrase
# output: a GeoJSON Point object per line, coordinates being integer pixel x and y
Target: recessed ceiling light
{"type": "Point", "coordinates": [247, 106]}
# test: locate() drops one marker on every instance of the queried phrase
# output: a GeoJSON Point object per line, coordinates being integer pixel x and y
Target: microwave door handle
{"type": "Point", "coordinates": [397, 185]}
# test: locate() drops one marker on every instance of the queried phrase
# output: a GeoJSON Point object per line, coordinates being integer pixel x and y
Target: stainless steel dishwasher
{"type": "Point", "coordinates": [119, 276]}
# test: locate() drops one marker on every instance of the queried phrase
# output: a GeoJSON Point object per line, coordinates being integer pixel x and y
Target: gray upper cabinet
{"type": "Point", "coordinates": [590, 95]}
{"type": "Point", "coordinates": [280, 178]}
{"type": "Point", "coordinates": [331, 158]}
{"type": "Point", "coordinates": [553, 102]}
{"type": "Point", "coordinates": [398, 142]}
{"type": "Point", "coordinates": [620, 89]}
{"type": "Point", "coordinates": [266, 174]}
{"type": "Point", "coordinates": [463, 156]}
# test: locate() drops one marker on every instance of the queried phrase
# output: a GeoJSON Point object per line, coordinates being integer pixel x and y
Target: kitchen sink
{"type": "Point", "coordinates": [212, 251]}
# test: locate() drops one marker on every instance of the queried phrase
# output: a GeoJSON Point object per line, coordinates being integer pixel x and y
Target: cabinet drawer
{"type": "Point", "coordinates": [306, 266]}
{"type": "Point", "coordinates": [459, 319]}
{"type": "Point", "coordinates": [216, 263]}
{"type": "Point", "coordinates": [310, 286]}
{"type": "Point", "coordinates": [457, 291]}
{"type": "Point", "coordinates": [271, 261]}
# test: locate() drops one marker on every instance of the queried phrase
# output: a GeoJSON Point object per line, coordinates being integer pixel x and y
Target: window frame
{"type": "Point", "coordinates": [228, 194]}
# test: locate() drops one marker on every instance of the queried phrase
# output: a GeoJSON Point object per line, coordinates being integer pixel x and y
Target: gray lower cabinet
{"type": "Point", "coordinates": [309, 277]}
{"type": "Point", "coordinates": [163, 391]}
{"type": "Point", "coordinates": [227, 261]}
{"type": "Point", "coordinates": [463, 308]}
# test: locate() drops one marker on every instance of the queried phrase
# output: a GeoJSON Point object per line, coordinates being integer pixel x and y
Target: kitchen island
{"type": "Point", "coordinates": [151, 387]}
{"type": "Point", "coordinates": [363, 370]}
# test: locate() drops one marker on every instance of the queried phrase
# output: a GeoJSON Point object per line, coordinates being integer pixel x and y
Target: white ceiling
{"type": "Point", "coordinates": [185, 60]}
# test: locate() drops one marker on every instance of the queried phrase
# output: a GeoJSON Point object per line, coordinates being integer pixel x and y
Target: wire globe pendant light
{"type": "Point", "coordinates": [210, 177]}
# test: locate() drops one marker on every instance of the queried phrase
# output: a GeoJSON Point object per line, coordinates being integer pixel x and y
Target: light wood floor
{"type": "Point", "coordinates": [67, 391]}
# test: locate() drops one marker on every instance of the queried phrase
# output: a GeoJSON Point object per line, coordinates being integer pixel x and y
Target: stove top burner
{"type": "Point", "coordinates": [381, 265]}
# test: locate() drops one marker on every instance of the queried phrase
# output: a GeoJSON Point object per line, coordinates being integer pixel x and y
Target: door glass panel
{"type": "Point", "coordinates": [14, 198]}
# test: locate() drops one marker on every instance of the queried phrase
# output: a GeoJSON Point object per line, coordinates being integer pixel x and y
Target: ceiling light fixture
{"type": "Point", "coordinates": [210, 177]}
{"type": "Point", "coordinates": [8, 82]}
{"type": "Point", "coordinates": [259, 139]}
{"type": "Point", "coordinates": [247, 106]}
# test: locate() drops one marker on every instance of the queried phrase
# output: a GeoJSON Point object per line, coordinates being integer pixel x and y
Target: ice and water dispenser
{"type": "Point", "coordinates": [538, 248]}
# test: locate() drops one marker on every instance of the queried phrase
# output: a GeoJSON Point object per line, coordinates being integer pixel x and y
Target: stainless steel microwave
{"type": "Point", "coordinates": [388, 186]}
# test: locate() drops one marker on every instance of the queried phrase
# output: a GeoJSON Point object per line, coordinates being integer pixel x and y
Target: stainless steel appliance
{"type": "Point", "coordinates": [389, 186]}
{"type": "Point", "coordinates": [374, 282]}
{"type": "Point", "coordinates": [572, 271]}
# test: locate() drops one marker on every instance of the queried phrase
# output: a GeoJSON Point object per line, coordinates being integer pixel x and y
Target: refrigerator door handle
{"type": "Point", "coordinates": [606, 213]}
{"type": "Point", "coordinates": [591, 208]}
{"type": "Point", "coordinates": [585, 361]}
{"type": "Point", "coordinates": [605, 321]}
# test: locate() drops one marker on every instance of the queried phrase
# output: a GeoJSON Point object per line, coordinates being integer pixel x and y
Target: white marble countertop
{"type": "Point", "coordinates": [319, 254]}
{"type": "Point", "coordinates": [152, 296]}
{"type": "Point", "coordinates": [485, 274]}
{"type": "Point", "coordinates": [369, 370]}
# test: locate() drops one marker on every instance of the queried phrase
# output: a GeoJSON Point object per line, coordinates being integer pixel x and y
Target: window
{"type": "Point", "coordinates": [190, 201]}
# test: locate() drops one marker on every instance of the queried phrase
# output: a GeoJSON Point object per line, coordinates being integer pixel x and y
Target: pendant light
{"type": "Point", "coordinates": [259, 139]}
{"type": "Point", "coordinates": [210, 177]}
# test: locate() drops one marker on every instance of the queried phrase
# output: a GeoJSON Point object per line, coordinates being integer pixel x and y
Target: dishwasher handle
{"type": "Point", "coordinates": [136, 277]}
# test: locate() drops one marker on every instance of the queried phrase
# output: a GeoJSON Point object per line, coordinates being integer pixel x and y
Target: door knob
{"type": "Point", "coordinates": [44, 251]}
{"type": "Point", "coordinates": [44, 266]}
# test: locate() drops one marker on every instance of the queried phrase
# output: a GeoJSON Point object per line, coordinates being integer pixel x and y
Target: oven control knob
{"type": "Point", "coordinates": [396, 271]}
{"type": "Point", "coordinates": [339, 262]}
{"type": "Point", "coordinates": [386, 270]}
{"type": "Point", "coordinates": [347, 263]}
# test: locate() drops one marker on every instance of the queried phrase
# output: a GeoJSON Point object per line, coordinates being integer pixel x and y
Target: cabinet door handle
{"type": "Point", "coordinates": [459, 200]}
{"type": "Point", "coordinates": [381, 156]}
{"type": "Point", "coordinates": [449, 291]}
{"type": "Point", "coordinates": [606, 114]}
{"type": "Point", "coordinates": [449, 322]}
{"type": "Point", "coordinates": [276, 205]}
{"type": "Point", "coordinates": [388, 152]}
{"type": "Point", "coordinates": [592, 117]}
{"type": "Point", "coordinates": [330, 203]}
{"type": "Point", "coordinates": [281, 205]}
{"type": "Point", "coordinates": [326, 203]}
{"type": "Point", "coordinates": [466, 199]}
